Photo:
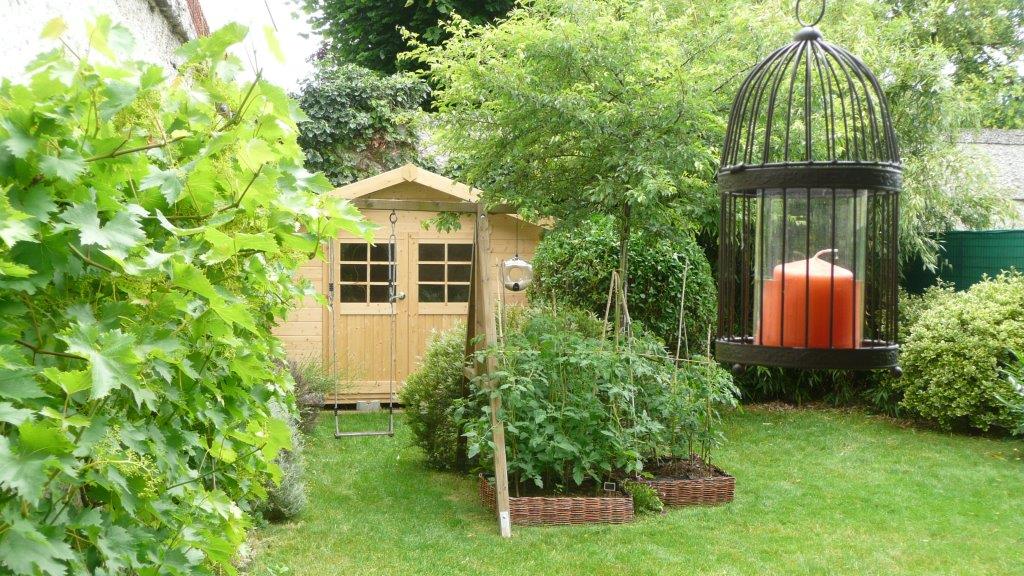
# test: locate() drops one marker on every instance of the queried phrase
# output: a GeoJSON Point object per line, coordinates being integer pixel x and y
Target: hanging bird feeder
{"type": "Point", "coordinates": [516, 273]}
{"type": "Point", "coordinates": [809, 184]}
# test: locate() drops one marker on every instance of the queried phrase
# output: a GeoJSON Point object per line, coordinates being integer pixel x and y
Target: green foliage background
{"type": "Point", "coordinates": [150, 226]}
{"type": "Point", "coordinates": [429, 394]}
{"type": "Point", "coordinates": [571, 108]}
{"type": "Point", "coordinates": [369, 32]}
{"type": "Point", "coordinates": [574, 265]}
{"type": "Point", "coordinates": [360, 123]}
{"type": "Point", "coordinates": [582, 408]}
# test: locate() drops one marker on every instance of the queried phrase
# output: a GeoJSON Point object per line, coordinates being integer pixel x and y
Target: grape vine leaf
{"type": "Point", "coordinates": [12, 415]}
{"type": "Point", "coordinates": [110, 353]}
{"type": "Point", "coordinates": [118, 235]}
{"type": "Point", "coordinates": [18, 141]}
{"type": "Point", "coordinates": [20, 473]}
{"type": "Point", "coordinates": [13, 227]}
{"type": "Point", "coordinates": [68, 166]}
{"type": "Point", "coordinates": [168, 181]}
{"type": "Point", "coordinates": [16, 380]}
{"type": "Point", "coordinates": [26, 550]}
{"type": "Point", "coordinates": [37, 438]}
{"type": "Point", "coordinates": [55, 28]}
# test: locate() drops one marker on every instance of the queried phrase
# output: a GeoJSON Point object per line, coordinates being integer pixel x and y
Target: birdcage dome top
{"type": "Point", "coordinates": [810, 114]}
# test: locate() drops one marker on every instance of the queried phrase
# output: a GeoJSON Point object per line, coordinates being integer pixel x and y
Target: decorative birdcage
{"type": "Point", "coordinates": [809, 184]}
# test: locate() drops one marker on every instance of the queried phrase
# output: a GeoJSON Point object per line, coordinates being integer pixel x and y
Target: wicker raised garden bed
{"type": "Point", "coordinates": [679, 491]}
{"type": "Point", "coordinates": [536, 510]}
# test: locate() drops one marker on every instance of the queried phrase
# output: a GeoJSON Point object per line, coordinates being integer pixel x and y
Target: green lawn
{"type": "Point", "coordinates": [817, 492]}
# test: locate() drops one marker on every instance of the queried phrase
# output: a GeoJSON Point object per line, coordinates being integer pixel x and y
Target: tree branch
{"type": "Point", "coordinates": [38, 350]}
{"type": "Point", "coordinates": [119, 152]}
{"type": "Point", "coordinates": [90, 261]}
{"type": "Point", "coordinates": [238, 202]}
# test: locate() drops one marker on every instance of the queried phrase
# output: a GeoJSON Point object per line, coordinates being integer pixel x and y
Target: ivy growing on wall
{"type": "Point", "coordinates": [360, 122]}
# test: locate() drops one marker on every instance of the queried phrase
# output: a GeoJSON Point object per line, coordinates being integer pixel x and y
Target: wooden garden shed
{"type": "Point", "coordinates": [432, 269]}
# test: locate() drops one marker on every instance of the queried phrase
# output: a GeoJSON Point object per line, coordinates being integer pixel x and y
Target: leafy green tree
{"type": "Point", "coordinates": [570, 108]}
{"type": "Point", "coordinates": [360, 123]}
{"type": "Point", "coordinates": [986, 48]}
{"type": "Point", "coordinates": [368, 32]}
{"type": "Point", "coordinates": [150, 228]}
{"type": "Point", "coordinates": [577, 109]}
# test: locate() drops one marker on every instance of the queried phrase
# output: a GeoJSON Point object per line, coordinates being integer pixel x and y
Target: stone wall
{"type": "Point", "coordinates": [159, 27]}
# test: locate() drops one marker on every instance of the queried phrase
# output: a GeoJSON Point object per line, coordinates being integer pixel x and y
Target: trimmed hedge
{"type": "Point", "coordinates": [957, 352]}
{"type": "Point", "coordinates": [430, 392]}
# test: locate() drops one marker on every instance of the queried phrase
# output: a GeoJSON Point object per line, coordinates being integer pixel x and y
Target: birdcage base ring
{"type": "Point", "coordinates": [871, 356]}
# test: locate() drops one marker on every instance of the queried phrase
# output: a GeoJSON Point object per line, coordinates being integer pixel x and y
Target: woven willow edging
{"type": "Point", "coordinates": [536, 510]}
{"type": "Point", "coordinates": [683, 492]}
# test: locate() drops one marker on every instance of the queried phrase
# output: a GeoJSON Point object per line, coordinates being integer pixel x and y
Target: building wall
{"type": "Point", "coordinates": [1004, 149]}
{"type": "Point", "coordinates": [159, 27]}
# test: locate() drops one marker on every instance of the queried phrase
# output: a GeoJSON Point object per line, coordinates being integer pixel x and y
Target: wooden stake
{"type": "Point", "coordinates": [484, 314]}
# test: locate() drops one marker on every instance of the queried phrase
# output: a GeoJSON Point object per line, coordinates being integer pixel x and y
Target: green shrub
{"type": "Point", "coordinates": [956, 352]}
{"type": "Point", "coordinates": [580, 409]}
{"type": "Point", "coordinates": [429, 394]}
{"type": "Point", "coordinates": [286, 499]}
{"type": "Point", "coordinates": [151, 224]}
{"type": "Point", "coordinates": [1015, 401]}
{"type": "Point", "coordinates": [312, 381]}
{"type": "Point", "coordinates": [645, 497]}
{"type": "Point", "coordinates": [574, 266]}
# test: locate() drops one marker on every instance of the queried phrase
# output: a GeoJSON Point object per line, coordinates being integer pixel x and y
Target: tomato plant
{"type": "Point", "coordinates": [150, 225]}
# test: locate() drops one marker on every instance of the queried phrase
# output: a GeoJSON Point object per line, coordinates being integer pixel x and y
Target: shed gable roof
{"type": "Point", "coordinates": [408, 173]}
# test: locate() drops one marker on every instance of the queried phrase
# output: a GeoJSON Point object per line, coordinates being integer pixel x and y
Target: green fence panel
{"type": "Point", "coordinates": [968, 256]}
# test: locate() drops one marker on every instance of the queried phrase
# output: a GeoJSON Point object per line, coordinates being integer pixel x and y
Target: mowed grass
{"type": "Point", "coordinates": [817, 492]}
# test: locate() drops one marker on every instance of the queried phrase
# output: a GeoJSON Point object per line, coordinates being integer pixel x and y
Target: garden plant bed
{"type": "Point", "coordinates": [541, 510]}
{"type": "Point", "coordinates": [686, 482]}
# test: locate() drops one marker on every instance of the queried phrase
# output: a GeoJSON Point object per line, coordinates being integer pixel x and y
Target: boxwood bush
{"type": "Point", "coordinates": [574, 264]}
{"type": "Point", "coordinates": [957, 351]}
{"type": "Point", "coordinates": [429, 394]}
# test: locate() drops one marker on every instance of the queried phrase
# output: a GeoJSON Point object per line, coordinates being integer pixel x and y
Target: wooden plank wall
{"type": "Point", "coordinates": [363, 340]}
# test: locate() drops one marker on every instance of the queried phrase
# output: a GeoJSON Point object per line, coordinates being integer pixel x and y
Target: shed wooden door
{"type": "Point", "coordinates": [364, 315]}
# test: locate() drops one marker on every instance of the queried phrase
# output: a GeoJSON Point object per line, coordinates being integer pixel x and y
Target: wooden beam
{"type": "Point", "coordinates": [484, 314]}
{"type": "Point", "coordinates": [427, 206]}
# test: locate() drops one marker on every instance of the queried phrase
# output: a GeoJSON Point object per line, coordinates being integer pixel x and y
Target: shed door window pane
{"type": "Point", "coordinates": [439, 280]}
{"type": "Point", "coordinates": [363, 274]}
{"type": "Point", "coordinates": [458, 272]}
{"type": "Point", "coordinates": [353, 293]}
{"type": "Point", "coordinates": [379, 272]}
{"type": "Point", "coordinates": [431, 252]}
{"type": "Point", "coordinates": [458, 293]}
{"type": "Point", "coordinates": [353, 272]}
{"type": "Point", "coordinates": [379, 252]}
{"type": "Point", "coordinates": [431, 293]}
{"type": "Point", "coordinates": [353, 252]}
{"type": "Point", "coordinates": [460, 252]}
{"type": "Point", "coordinates": [431, 272]}
{"type": "Point", "coordinates": [378, 293]}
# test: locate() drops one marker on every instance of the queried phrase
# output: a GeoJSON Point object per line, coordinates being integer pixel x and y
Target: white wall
{"type": "Point", "coordinates": [159, 27]}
